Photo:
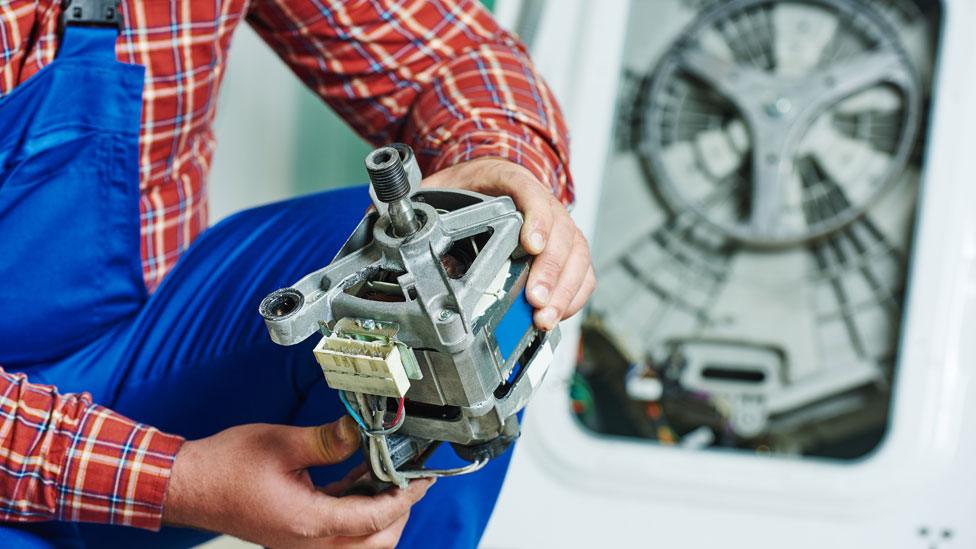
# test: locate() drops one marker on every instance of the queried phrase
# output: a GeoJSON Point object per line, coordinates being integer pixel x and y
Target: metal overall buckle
{"type": "Point", "coordinates": [91, 13]}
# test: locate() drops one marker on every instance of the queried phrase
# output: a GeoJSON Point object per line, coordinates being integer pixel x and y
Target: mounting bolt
{"type": "Point", "coordinates": [445, 315]}
{"type": "Point", "coordinates": [778, 107]}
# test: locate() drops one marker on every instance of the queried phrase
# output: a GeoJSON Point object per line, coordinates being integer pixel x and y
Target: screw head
{"type": "Point", "coordinates": [445, 315]}
{"type": "Point", "coordinates": [781, 106]}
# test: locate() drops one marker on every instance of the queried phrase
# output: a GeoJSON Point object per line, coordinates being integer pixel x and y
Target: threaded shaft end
{"type": "Point", "coordinates": [387, 174]}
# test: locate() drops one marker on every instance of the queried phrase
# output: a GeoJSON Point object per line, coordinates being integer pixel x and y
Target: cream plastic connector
{"type": "Point", "coordinates": [370, 367]}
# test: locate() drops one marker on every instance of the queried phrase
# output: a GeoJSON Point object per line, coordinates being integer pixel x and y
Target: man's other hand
{"type": "Point", "coordinates": [252, 482]}
{"type": "Point", "coordinates": [562, 277]}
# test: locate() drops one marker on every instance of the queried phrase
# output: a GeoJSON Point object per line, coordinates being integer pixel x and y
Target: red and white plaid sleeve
{"type": "Point", "coordinates": [440, 75]}
{"type": "Point", "coordinates": [64, 458]}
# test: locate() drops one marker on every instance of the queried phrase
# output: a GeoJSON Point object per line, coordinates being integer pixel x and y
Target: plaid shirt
{"type": "Point", "coordinates": [64, 458]}
{"type": "Point", "coordinates": [438, 75]}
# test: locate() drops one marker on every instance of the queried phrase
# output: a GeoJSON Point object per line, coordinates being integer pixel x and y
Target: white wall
{"type": "Point", "coordinates": [255, 129]}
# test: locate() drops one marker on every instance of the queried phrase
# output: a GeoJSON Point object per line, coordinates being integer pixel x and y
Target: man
{"type": "Point", "coordinates": [102, 190]}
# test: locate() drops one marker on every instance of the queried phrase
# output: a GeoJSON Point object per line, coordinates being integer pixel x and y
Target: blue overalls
{"type": "Point", "coordinates": [193, 358]}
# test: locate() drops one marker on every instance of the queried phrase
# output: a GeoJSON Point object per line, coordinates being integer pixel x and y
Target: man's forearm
{"type": "Point", "coordinates": [491, 102]}
{"type": "Point", "coordinates": [63, 457]}
{"type": "Point", "coordinates": [439, 75]}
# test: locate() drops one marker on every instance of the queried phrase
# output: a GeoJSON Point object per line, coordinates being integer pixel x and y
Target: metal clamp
{"type": "Point", "coordinates": [91, 13]}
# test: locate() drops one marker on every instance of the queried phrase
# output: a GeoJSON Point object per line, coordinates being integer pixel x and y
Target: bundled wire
{"type": "Point", "coordinates": [457, 471]}
{"type": "Point", "coordinates": [386, 430]}
{"type": "Point", "coordinates": [379, 451]}
{"type": "Point", "coordinates": [352, 411]}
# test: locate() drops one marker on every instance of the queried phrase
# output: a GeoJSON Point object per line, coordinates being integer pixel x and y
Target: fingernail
{"type": "Point", "coordinates": [537, 241]}
{"type": "Point", "coordinates": [547, 317]}
{"type": "Point", "coordinates": [540, 293]}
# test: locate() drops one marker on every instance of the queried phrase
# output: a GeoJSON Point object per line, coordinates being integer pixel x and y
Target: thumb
{"type": "Point", "coordinates": [329, 443]}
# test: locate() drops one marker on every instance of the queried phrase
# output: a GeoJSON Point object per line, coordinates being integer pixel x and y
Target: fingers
{"type": "Point", "coordinates": [563, 255]}
{"type": "Point", "coordinates": [443, 179]}
{"type": "Point", "coordinates": [583, 295]}
{"type": "Point", "coordinates": [537, 207]}
{"type": "Point", "coordinates": [339, 487]}
{"type": "Point", "coordinates": [561, 278]}
{"type": "Point", "coordinates": [547, 267]}
{"type": "Point", "coordinates": [325, 444]}
{"type": "Point", "coordinates": [571, 278]}
{"type": "Point", "coordinates": [365, 515]}
{"type": "Point", "coordinates": [499, 177]}
{"type": "Point", "coordinates": [384, 539]}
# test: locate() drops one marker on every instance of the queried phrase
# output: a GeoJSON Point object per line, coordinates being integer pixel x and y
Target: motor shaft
{"type": "Point", "coordinates": [392, 186]}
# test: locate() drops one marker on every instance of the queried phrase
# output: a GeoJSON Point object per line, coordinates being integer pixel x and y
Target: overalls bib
{"type": "Point", "coordinates": [70, 265]}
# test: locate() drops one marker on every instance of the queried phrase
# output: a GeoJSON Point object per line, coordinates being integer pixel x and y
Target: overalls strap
{"type": "Point", "coordinates": [90, 29]}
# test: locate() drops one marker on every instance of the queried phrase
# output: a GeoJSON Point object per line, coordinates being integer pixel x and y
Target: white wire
{"type": "Point", "coordinates": [427, 473]}
{"type": "Point", "coordinates": [374, 457]}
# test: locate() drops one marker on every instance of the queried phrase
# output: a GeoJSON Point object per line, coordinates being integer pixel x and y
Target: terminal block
{"type": "Point", "coordinates": [362, 356]}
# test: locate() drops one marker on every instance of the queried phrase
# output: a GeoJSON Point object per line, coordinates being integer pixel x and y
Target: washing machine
{"type": "Point", "coordinates": [779, 198]}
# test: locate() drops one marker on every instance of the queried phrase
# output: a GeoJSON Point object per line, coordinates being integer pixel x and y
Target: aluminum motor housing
{"type": "Point", "coordinates": [453, 294]}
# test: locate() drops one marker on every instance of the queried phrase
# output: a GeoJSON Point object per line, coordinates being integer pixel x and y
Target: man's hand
{"type": "Point", "coordinates": [562, 277]}
{"type": "Point", "coordinates": [251, 482]}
